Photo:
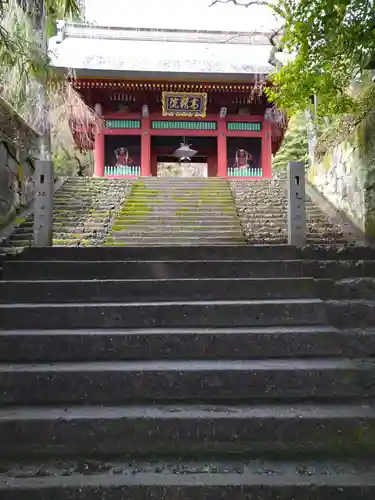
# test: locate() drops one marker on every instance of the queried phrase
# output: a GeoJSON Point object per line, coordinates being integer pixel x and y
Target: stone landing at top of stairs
{"type": "Point", "coordinates": [178, 211]}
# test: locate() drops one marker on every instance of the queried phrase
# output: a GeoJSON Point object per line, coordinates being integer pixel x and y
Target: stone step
{"type": "Point", "coordinates": [182, 242]}
{"type": "Point", "coordinates": [264, 231]}
{"type": "Point", "coordinates": [261, 218]}
{"type": "Point", "coordinates": [21, 236]}
{"type": "Point", "coordinates": [355, 313]}
{"type": "Point", "coordinates": [45, 346]}
{"type": "Point", "coordinates": [339, 269]}
{"type": "Point", "coordinates": [186, 226]}
{"type": "Point", "coordinates": [89, 188]}
{"type": "Point", "coordinates": [279, 240]}
{"type": "Point", "coordinates": [260, 252]}
{"type": "Point", "coordinates": [195, 190]}
{"type": "Point", "coordinates": [165, 314]}
{"type": "Point", "coordinates": [171, 192]}
{"type": "Point", "coordinates": [268, 211]}
{"type": "Point", "coordinates": [181, 197]}
{"type": "Point", "coordinates": [351, 253]}
{"type": "Point", "coordinates": [188, 216]}
{"type": "Point", "coordinates": [162, 210]}
{"type": "Point", "coordinates": [66, 226]}
{"type": "Point", "coordinates": [347, 288]}
{"type": "Point", "coordinates": [156, 290]}
{"type": "Point", "coordinates": [79, 230]}
{"type": "Point", "coordinates": [102, 207]}
{"type": "Point", "coordinates": [101, 239]}
{"type": "Point", "coordinates": [328, 237]}
{"type": "Point", "coordinates": [188, 431]}
{"type": "Point", "coordinates": [69, 206]}
{"type": "Point", "coordinates": [89, 479]}
{"type": "Point", "coordinates": [180, 207]}
{"type": "Point", "coordinates": [92, 192]}
{"type": "Point", "coordinates": [21, 243]}
{"type": "Point", "coordinates": [160, 214]}
{"type": "Point", "coordinates": [176, 231]}
{"type": "Point", "coordinates": [127, 221]}
{"type": "Point", "coordinates": [86, 270]}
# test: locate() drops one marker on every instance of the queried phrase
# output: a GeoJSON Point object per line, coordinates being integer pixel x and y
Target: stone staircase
{"type": "Point", "coordinates": [263, 207]}
{"type": "Point", "coordinates": [83, 213]}
{"type": "Point", "coordinates": [178, 211]}
{"type": "Point", "coordinates": [188, 373]}
{"type": "Point", "coordinates": [175, 211]}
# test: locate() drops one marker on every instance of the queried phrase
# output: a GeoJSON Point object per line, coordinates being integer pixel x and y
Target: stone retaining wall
{"type": "Point", "coordinates": [16, 183]}
{"type": "Point", "coordinates": [345, 177]}
{"type": "Point", "coordinates": [17, 149]}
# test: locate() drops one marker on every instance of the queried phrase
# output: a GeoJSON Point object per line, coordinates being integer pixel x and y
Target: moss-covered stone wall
{"type": "Point", "coordinates": [346, 177]}
{"type": "Point", "coordinates": [16, 182]}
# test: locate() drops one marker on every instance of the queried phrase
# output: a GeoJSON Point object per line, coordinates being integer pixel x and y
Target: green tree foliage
{"type": "Point", "coordinates": [24, 71]}
{"type": "Point", "coordinates": [295, 144]}
{"type": "Point", "coordinates": [15, 49]}
{"type": "Point", "coordinates": [331, 41]}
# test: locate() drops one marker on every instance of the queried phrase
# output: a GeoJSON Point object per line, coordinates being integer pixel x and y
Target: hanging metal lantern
{"type": "Point", "coordinates": [184, 152]}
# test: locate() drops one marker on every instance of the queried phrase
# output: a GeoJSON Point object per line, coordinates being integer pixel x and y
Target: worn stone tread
{"type": "Point", "coordinates": [118, 382]}
{"type": "Point", "coordinates": [156, 289]}
{"type": "Point", "coordinates": [190, 430]}
{"type": "Point", "coordinates": [185, 343]}
{"type": "Point", "coordinates": [85, 269]}
{"type": "Point", "coordinates": [285, 302]}
{"type": "Point", "coordinates": [197, 365]}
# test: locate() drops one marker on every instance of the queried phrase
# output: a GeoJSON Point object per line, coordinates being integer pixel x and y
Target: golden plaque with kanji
{"type": "Point", "coordinates": [192, 104]}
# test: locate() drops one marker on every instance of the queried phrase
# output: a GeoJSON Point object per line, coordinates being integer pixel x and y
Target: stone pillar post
{"type": "Point", "coordinates": [296, 204]}
{"type": "Point", "coordinates": [43, 203]}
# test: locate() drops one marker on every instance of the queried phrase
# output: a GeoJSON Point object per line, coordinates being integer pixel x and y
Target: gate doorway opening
{"type": "Point", "coordinates": [167, 166]}
{"type": "Point", "coordinates": [202, 164]}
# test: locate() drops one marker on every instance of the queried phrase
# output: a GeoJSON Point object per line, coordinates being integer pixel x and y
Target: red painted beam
{"type": "Point", "coordinates": [121, 131]}
{"type": "Point", "coordinates": [158, 116]}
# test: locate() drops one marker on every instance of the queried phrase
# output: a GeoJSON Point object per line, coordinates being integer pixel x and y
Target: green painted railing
{"type": "Point", "coordinates": [181, 124]}
{"type": "Point", "coordinates": [122, 170]}
{"type": "Point", "coordinates": [245, 172]}
{"type": "Point", "coordinates": [122, 124]}
{"type": "Point", "coordinates": [244, 126]}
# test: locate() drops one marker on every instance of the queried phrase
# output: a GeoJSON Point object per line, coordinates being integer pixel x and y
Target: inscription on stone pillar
{"type": "Point", "coordinates": [43, 203]}
{"type": "Point", "coordinates": [296, 204]}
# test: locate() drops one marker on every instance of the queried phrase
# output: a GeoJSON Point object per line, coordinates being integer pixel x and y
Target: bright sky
{"type": "Point", "coordinates": [179, 14]}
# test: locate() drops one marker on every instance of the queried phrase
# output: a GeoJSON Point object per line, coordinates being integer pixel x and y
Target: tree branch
{"type": "Point", "coordinates": [239, 3]}
{"type": "Point", "coordinates": [275, 47]}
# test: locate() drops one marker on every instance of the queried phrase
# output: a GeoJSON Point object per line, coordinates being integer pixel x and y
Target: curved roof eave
{"type": "Point", "coordinates": [114, 57]}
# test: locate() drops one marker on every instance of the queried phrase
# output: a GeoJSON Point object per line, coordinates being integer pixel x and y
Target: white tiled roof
{"type": "Point", "coordinates": [87, 48]}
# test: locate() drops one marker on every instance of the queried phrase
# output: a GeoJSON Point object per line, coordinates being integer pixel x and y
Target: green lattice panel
{"type": "Point", "coordinates": [244, 126]}
{"type": "Point", "coordinates": [122, 170]}
{"type": "Point", "coordinates": [123, 124]}
{"type": "Point", "coordinates": [245, 172]}
{"type": "Point", "coordinates": [183, 125]}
